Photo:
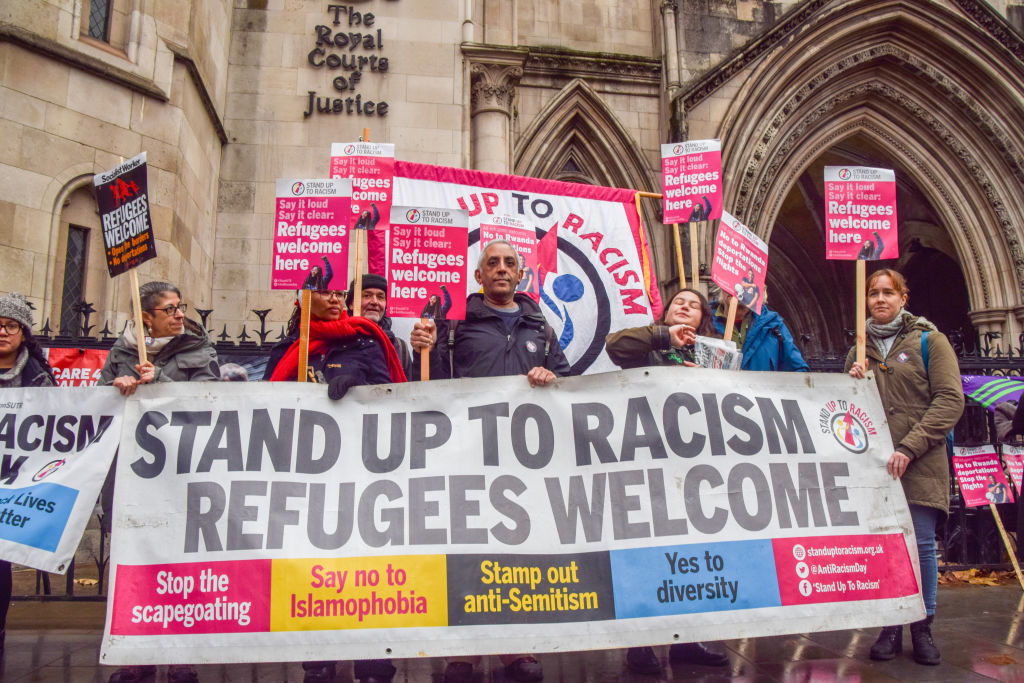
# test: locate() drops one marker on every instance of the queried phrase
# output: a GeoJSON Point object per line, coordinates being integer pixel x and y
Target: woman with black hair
{"type": "Point", "coordinates": [669, 341]}
{"type": "Point", "coordinates": [22, 364]}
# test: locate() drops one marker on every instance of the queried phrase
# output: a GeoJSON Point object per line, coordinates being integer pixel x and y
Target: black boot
{"type": "Point", "coordinates": [889, 644]}
{"type": "Point", "coordinates": [925, 651]}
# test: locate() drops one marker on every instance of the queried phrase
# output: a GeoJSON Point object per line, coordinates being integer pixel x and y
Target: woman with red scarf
{"type": "Point", "coordinates": [344, 351]}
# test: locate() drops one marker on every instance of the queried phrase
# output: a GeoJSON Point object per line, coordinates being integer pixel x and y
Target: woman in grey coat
{"type": "Point", "coordinates": [177, 350]}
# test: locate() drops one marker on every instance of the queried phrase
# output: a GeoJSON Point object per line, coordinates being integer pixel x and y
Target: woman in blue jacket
{"type": "Point", "coordinates": [764, 339]}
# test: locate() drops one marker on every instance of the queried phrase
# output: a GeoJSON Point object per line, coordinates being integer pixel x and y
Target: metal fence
{"type": "Point", "coordinates": [969, 537]}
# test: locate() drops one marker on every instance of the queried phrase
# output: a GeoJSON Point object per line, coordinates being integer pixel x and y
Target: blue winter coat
{"type": "Point", "coordinates": [768, 344]}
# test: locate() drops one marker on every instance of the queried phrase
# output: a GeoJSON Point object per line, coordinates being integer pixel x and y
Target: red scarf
{"type": "Point", "coordinates": [323, 334]}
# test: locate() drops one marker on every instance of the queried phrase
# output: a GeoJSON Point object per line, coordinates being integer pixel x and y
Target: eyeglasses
{"type": "Point", "coordinates": [11, 327]}
{"type": "Point", "coordinates": [329, 294]}
{"type": "Point", "coordinates": [172, 310]}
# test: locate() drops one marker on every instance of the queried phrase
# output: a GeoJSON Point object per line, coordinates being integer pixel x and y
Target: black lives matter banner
{"type": "Point", "coordinates": [479, 516]}
{"type": "Point", "coordinates": [122, 197]}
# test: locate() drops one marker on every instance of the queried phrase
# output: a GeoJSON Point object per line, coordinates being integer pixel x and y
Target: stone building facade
{"type": "Point", "coordinates": [226, 96]}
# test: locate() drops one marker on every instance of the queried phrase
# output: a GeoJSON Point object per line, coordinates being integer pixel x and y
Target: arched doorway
{"type": "Point", "coordinates": [931, 92]}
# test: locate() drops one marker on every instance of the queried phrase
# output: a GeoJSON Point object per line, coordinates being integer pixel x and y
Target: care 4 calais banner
{"type": "Point", "coordinates": [453, 517]}
{"type": "Point", "coordinates": [603, 281]}
{"type": "Point", "coordinates": [57, 447]}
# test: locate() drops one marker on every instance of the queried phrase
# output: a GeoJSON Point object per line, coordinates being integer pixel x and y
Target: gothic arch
{"type": "Point", "coordinates": [938, 90]}
{"type": "Point", "coordinates": [577, 138]}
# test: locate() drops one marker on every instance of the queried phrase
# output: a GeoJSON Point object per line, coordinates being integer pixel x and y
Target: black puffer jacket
{"type": "Point", "coordinates": [483, 348]}
{"type": "Point", "coordinates": [361, 359]}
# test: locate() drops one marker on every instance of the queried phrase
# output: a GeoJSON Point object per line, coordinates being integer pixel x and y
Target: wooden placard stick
{"type": "Point", "coordinates": [679, 256]}
{"type": "Point", "coordinates": [357, 298]}
{"type": "Point", "coordinates": [425, 358]}
{"type": "Point", "coordinates": [140, 327]}
{"type": "Point", "coordinates": [730, 318]}
{"type": "Point", "coordinates": [304, 298]}
{"type": "Point", "coordinates": [1006, 542]}
{"type": "Point", "coordinates": [860, 309]}
{"type": "Point", "coordinates": [694, 259]}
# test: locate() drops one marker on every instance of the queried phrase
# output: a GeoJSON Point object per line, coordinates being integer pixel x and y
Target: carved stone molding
{"type": "Point", "coordinates": [494, 87]}
{"type": "Point", "coordinates": [803, 17]}
{"type": "Point", "coordinates": [988, 316]}
{"type": "Point", "coordinates": [751, 199]}
{"type": "Point", "coordinates": [568, 64]}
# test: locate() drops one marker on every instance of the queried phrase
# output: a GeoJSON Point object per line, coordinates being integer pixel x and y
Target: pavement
{"type": "Point", "coordinates": [979, 630]}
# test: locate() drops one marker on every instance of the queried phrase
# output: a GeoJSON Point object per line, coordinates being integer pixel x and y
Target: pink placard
{"type": "Point", "coordinates": [310, 234]}
{"type": "Point", "coordinates": [741, 262]}
{"type": "Point", "coordinates": [199, 597]}
{"type": "Point", "coordinates": [524, 238]}
{"type": "Point", "coordinates": [1013, 456]}
{"type": "Point", "coordinates": [691, 180]}
{"type": "Point", "coordinates": [980, 476]}
{"type": "Point", "coordinates": [860, 213]}
{"type": "Point", "coordinates": [426, 263]}
{"type": "Point", "coordinates": [371, 167]}
{"type": "Point", "coordinates": [822, 569]}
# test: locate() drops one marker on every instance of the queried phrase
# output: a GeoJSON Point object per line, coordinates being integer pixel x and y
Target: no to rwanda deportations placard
{"type": "Point", "coordinates": [123, 202]}
{"type": "Point", "coordinates": [481, 516]}
{"type": "Point", "coordinates": [57, 445]}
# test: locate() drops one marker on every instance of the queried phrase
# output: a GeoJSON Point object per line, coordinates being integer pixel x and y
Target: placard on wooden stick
{"type": "Point", "coordinates": [122, 197]}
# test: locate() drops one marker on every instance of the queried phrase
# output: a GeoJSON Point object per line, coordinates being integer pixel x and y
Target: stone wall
{"type": "Point", "coordinates": [72, 107]}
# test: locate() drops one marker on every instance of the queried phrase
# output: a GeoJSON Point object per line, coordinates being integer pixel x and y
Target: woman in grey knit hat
{"type": "Point", "coordinates": [22, 364]}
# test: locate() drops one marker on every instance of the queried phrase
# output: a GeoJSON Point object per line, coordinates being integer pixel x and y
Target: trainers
{"type": "Point", "coordinates": [697, 653]}
{"type": "Point", "coordinates": [132, 674]}
{"type": "Point", "coordinates": [642, 660]}
{"type": "Point", "coordinates": [458, 672]}
{"type": "Point", "coordinates": [525, 669]}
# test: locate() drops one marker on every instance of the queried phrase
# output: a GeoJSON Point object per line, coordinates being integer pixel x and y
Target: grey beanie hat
{"type": "Point", "coordinates": [15, 306]}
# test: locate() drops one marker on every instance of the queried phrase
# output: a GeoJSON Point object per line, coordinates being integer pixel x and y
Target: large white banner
{"type": "Point", "coordinates": [480, 516]}
{"type": "Point", "coordinates": [57, 447]}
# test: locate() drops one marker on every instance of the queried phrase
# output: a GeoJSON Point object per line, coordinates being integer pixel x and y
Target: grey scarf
{"type": "Point", "coordinates": [12, 378]}
{"type": "Point", "coordinates": [878, 331]}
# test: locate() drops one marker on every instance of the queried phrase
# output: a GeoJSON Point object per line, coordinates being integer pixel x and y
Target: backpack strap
{"type": "Point", "coordinates": [924, 357]}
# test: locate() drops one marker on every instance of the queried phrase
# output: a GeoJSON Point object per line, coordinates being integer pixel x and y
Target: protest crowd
{"type": "Point", "coordinates": [505, 333]}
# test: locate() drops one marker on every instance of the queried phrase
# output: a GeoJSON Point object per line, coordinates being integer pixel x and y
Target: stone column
{"type": "Point", "coordinates": [493, 90]}
{"type": "Point", "coordinates": [671, 49]}
{"type": "Point", "coordinates": [992, 320]}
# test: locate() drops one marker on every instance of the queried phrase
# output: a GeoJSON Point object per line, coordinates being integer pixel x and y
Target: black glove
{"type": "Point", "coordinates": [339, 386]}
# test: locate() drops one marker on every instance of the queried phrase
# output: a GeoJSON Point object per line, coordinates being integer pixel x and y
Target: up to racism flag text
{"type": "Point", "coordinates": [596, 280]}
